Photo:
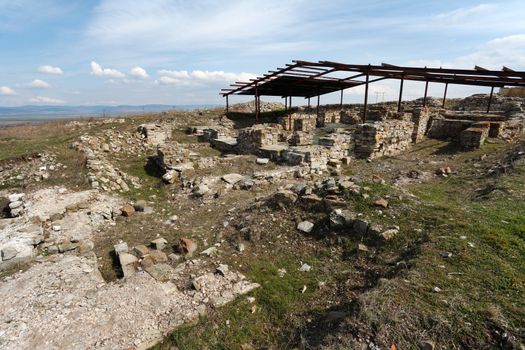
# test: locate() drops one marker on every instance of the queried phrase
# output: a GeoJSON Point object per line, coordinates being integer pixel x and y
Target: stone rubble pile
{"type": "Point", "coordinates": [16, 204]}
{"type": "Point", "coordinates": [174, 158]}
{"type": "Point", "coordinates": [31, 168]}
{"type": "Point", "coordinates": [102, 174]}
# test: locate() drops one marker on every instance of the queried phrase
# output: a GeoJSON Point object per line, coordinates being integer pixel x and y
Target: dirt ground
{"type": "Point", "coordinates": [453, 277]}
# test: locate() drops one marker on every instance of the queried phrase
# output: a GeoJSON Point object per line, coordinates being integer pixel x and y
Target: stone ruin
{"type": "Point", "coordinates": [335, 133]}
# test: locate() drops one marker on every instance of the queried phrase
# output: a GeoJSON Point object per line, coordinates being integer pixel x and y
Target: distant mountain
{"type": "Point", "coordinates": [54, 112]}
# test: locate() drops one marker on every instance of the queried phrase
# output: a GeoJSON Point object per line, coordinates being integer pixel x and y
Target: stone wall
{"type": "Point", "coordinates": [260, 135]}
{"type": "Point", "coordinates": [421, 119]}
{"type": "Point", "coordinates": [386, 138]}
{"type": "Point", "coordinates": [474, 136]}
{"type": "Point", "coordinates": [155, 134]}
{"type": "Point", "coordinates": [298, 121]}
{"type": "Point", "coordinates": [300, 138]}
{"type": "Point", "coordinates": [441, 128]}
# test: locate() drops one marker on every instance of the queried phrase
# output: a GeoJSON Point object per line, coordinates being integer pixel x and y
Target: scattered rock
{"type": "Point", "coordinates": [9, 253]}
{"type": "Point", "coordinates": [305, 226]}
{"type": "Point", "coordinates": [340, 218]}
{"type": "Point", "coordinates": [262, 161]}
{"type": "Point", "coordinates": [389, 234]}
{"type": "Point", "coordinates": [200, 190]}
{"type": "Point", "coordinates": [127, 263]}
{"type": "Point", "coordinates": [381, 202]}
{"type": "Point", "coordinates": [187, 247]}
{"type": "Point", "coordinates": [222, 269]}
{"type": "Point", "coordinates": [362, 248]}
{"type": "Point", "coordinates": [140, 251]}
{"type": "Point", "coordinates": [127, 210]}
{"type": "Point", "coordinates": [159, 243]}
{"type": "Point", "coordinates": [305, 268]}
{"type": "Point", "coordinates": [121, 247]}
{"type": "Point", "coordinates": [210, 251]}
{"type": "Point", "coordinates": [446, 254]}
{"type": "Point", "coordinates": [281, 272]}
{"type": "Point", "coordinates": [161, 272]}
{"type": "Point", "coordinates": [158, 256]}
{"type": "Point", "coordinates": [232, 179]}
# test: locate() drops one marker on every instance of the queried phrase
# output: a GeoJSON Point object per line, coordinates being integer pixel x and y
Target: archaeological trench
{"type": "Point", "coordinates": [56, 297]}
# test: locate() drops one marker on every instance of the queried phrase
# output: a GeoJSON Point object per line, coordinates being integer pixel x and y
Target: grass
{"type": "Point", "coordinates": [240, 323]}
{"type": "Point", "coordinates": [482, 285]}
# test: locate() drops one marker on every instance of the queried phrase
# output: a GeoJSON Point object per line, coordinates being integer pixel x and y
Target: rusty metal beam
{"type": "Point", "coordinates": [400, 95]}
{"type": "Point", "coordinates": [445, 95]}
{"type": "Point", "coordinates": [425, 96]}
{"type": "Point", "coordinates": [366, 97]}
{"type": "Point", "coordinates": [490, 99]}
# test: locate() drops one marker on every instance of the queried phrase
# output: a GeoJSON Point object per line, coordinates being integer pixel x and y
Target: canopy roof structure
{"type": "Point", "coordinates": [308, 79]}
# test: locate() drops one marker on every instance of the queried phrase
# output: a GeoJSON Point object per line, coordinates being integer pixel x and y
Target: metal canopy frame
{"type": "Point", "coordinates": [309, 79]}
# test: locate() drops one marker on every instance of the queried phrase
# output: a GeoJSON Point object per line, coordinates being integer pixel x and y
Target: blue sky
{"type": "Point", "coordinates": [182, 52]}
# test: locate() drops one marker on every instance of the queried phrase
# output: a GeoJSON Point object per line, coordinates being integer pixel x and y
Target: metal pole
{"type": "Point", "coordinates": [400, 94]}
{"type": "Point", "coordinates": [341, 103]}
{"type": "Point", "coordinates": [256, 104]}
{"type": "Point", "coordinates": [318, 100]}
{"type": "Point", "coordinates": [227, 105]}
{"type": "Point", "coordinates": [445, 95]}
{"type": "Point", "coordinates": [490, 98]}
{"type": "Point", "coordinates": [366, 97]}
{"type": "Point", "coordinates": [285, 103]}
{"type": "Point", "coordinates": [308, 102]}
{"type": "Point", "coordinates": [425, 97]}
{"type": "Point", "coordinates": [290, 102]}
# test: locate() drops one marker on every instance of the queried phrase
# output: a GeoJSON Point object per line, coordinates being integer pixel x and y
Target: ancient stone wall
{"type": "Point", "coordinates": [474, 136]}
{"type": "Point", "coordinates": [298, 121]}
{"type": "Point", "coordinates": [421, 119]}
{"type": "Point", "coordinates": [384, 138]}
{"type": "Point", "coordinates": [260, 135]}
{"type": "Point", "coordinates": [441, 128]}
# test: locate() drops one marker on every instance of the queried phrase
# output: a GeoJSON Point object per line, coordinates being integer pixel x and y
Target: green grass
{"type": "Point", "coordinates": [275, 301]}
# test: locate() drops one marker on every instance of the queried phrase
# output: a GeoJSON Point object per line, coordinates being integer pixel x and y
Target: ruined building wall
{"type": "Point", "coordinates": [260, 135]}
{"type": "Point", "coordinates": [386, 138]}
{"type": "Point", "coordinates": [421, 119]}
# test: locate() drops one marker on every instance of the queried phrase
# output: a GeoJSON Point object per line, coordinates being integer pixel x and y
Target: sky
{"type": "Point", "coordinates": [111, 52]}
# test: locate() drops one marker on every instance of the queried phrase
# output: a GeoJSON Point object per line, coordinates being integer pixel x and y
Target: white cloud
{"type": "Point", "coordinates": [182, 77]}
{"type": "Point", "coordinates": [6, 91]}
{"type": "Point", "coordinates": [139, 72]}
{"type": "Point", "coordinates": [45, 100]}
{"type": "Point", "coordinates": [96, 69]}
{"type": "Point", "coordinates": [38, 84]}
{"type": "Point", "coordinates": [50, 70]}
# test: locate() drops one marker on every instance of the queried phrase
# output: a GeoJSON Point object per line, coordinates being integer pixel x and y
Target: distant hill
{"type": "Point", "coordinates": [27, 113]}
